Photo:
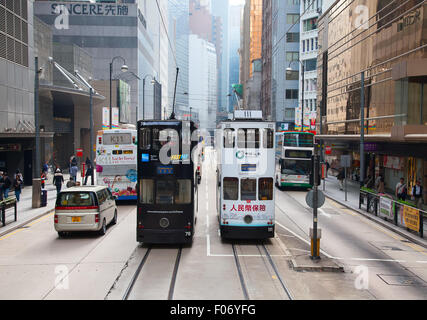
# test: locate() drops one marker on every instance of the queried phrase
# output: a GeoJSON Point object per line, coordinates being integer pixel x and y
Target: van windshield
{"type": "Point", "coordinates": [75, 199]}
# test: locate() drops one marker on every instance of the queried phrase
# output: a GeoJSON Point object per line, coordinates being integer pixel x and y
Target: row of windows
{"type": "Point", "coordinates": [248, 189]}
{"type": "Point", "coordinates": [312, 4]}
{"type": "Point", "coordinates": [248, 138]}
{"type": "Point", "coordinates": [309, 45]}
{"type": "Point", "coordinates": [14, 31]}
{"type": "Point", "coordinates": [309, 24]}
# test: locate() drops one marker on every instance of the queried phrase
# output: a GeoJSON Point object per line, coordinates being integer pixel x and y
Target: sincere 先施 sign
{"type": "Point", "coordinates": [92, 9]}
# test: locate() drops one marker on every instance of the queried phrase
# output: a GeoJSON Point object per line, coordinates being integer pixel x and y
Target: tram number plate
{"type": "Point", "coordinates": [188, 234]}
{"type": "Point", "coordinates": [76, 219]}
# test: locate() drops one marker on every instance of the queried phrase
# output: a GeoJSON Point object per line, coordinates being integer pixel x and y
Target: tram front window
{"type": "Point", "coordinates": [165, 192]}
{"type": "Point", "coordinates": [248, 189]}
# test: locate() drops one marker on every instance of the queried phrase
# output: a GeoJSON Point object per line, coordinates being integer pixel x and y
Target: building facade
{"type": "Point", "coordinates": [267, 29]}
{"type": "Point", "coordinates": [17, 129]}
{"type": "Point", "coordinates": [285, 54]}
{"type": "Point", "coordinates": [390, 52]}
{"type": "Point", "coordinates": [309, 45]}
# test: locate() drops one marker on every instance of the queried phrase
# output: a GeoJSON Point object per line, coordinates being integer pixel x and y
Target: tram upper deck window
{"type": "Point", "coordinates": [231, 189]}
{"type": "Point", "coordinates": [266, 189]}
{"type": "Point", "coordinates": [248, 189]}
{"type": "Point", "coordinates": [229, 139]}
{"type": "Point", "coordinates": [145, 139]}
{"type": "Point", "coordinates": [248, 138]}
{"type": "Point", "coordinates": [268, 139]}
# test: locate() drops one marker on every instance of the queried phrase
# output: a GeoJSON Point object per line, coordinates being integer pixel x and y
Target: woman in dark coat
{"type": "Point", "coordinates": [58, 180]}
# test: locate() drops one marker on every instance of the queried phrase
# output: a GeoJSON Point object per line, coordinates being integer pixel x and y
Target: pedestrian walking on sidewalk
{"type": "Point", "coordinates": [7, 183]}
{"type": "Point", "coordinates": [401, 190]}
{"type": "Point", "coordinates": [58, 180]}
{"type": "Point", "coordinates": [417, 194]}
{"type": "Point", "coordinates": [73, 173]}
{"type": "Point", "coordinates": [341, 177]}
{"type": "Point", "coordinates": [89, 171]}
{"type": "Point", "coordinates": [380, 184]}
{"type": "Point", "coordinates": [43, 180]}
{"type": "Point", "coordinates": [17, 184]}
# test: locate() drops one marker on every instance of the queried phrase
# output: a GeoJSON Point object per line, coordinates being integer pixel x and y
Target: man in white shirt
{"type": "Point", "coordinates": [401, 190]}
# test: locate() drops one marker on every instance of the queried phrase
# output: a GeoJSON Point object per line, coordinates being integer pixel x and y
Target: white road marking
{"type": "Point", "coordinates": [327, 215]}
{"type": "Point", "coordinates": [350, 259]}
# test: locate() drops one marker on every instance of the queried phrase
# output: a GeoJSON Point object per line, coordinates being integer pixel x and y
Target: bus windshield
{"type": "Point", "coordinates": [298, 140]}
{"type": "Point", "coordinates": [296, 167]}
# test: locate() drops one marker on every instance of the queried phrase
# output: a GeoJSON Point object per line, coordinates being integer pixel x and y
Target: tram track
{"type": "Point", "coordinates": [249, 285]}
{"type": "Point", "coordinates": [143, 270]}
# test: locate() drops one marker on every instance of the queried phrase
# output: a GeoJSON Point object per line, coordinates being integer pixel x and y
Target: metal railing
{"type": "Point", "coordinates": [396, 212]}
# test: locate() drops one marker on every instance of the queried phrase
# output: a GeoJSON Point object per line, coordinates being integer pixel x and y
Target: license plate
{"type": "Point", "coordinates": [76, 219]}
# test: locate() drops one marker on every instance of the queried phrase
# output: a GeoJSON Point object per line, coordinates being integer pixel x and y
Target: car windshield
{"type": "Point", "coordinates": [75, 199]}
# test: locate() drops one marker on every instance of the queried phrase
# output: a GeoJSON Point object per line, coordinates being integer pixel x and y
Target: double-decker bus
{"type": "Point", "coordinates": [167, 181]}
{"type": "Point", "coordinates": [245, 177]}
{"type": "Point", "coordinates": [295, 164]}
{"type": "Point", "coordinates": [116, 152]}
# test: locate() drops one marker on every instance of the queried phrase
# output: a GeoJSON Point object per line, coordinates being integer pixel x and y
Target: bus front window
{"type": "Point", "coordinates": [296, 167]}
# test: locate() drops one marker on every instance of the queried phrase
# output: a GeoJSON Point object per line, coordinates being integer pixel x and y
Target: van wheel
{"type": "Point", "coordinates": [114, 222]}
{"type": "Point", "coordinates": [103, 230]}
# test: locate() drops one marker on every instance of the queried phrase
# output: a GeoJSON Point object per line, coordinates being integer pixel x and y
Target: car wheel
{"type": "Point", "coordinates": [103, 230]}
{"type": "Point", "coordinates": [114, 221]}
{"type": "Point", "coordinates": [61, 234]}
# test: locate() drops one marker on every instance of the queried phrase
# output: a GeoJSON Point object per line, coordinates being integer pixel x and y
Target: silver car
{"type": "Point", "coordinates": [85, 209]}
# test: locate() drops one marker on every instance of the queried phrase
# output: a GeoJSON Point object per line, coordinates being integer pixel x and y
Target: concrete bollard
{"type": "Point", "coordinates": [37, 191]}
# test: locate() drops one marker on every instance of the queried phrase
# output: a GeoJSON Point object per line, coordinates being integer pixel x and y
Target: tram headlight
{"type": "Point", "coordinates": [248, 219]}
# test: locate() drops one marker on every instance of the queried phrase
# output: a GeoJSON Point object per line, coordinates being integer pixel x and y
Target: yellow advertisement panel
{"type": "Point", "coordinates": [412, 218]}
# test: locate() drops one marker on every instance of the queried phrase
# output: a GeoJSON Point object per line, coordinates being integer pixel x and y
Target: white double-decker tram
{"type": "Point", "coordinates": [245, 174]}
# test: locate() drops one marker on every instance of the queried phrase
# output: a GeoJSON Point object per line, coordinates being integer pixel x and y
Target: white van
{"type": "Point", "coordinates": [85, 209]}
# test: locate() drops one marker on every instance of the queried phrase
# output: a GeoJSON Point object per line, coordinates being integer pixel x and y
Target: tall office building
{"type": "Point", "coordinates": [179, 30]}
{"type": "Point", "coordinates": [251, 42]}
{"type": "Point", "coordinates": [220, 10]}
{"type": "Point", "coordinates": [285, 54]}
{"type": "Point", "coordinates": [203, 81]}
{"type": "Point", "coordinates": [233, 48]}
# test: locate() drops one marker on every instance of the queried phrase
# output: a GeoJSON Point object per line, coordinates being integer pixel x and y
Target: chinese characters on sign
{"type": "Point", "coordinates": [248, 208]}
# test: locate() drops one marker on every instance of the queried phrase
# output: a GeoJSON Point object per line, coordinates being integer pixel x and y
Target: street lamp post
{"type": "Point", "coordinates": [289, 70]}
{"type": "Point", "coordinates": [124, 69]}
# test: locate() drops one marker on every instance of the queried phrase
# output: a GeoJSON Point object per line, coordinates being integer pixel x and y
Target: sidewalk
{"type": "Point", "coordinates": [333, 192]}
{"type": "Point", "coordinates": [26, 213]}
